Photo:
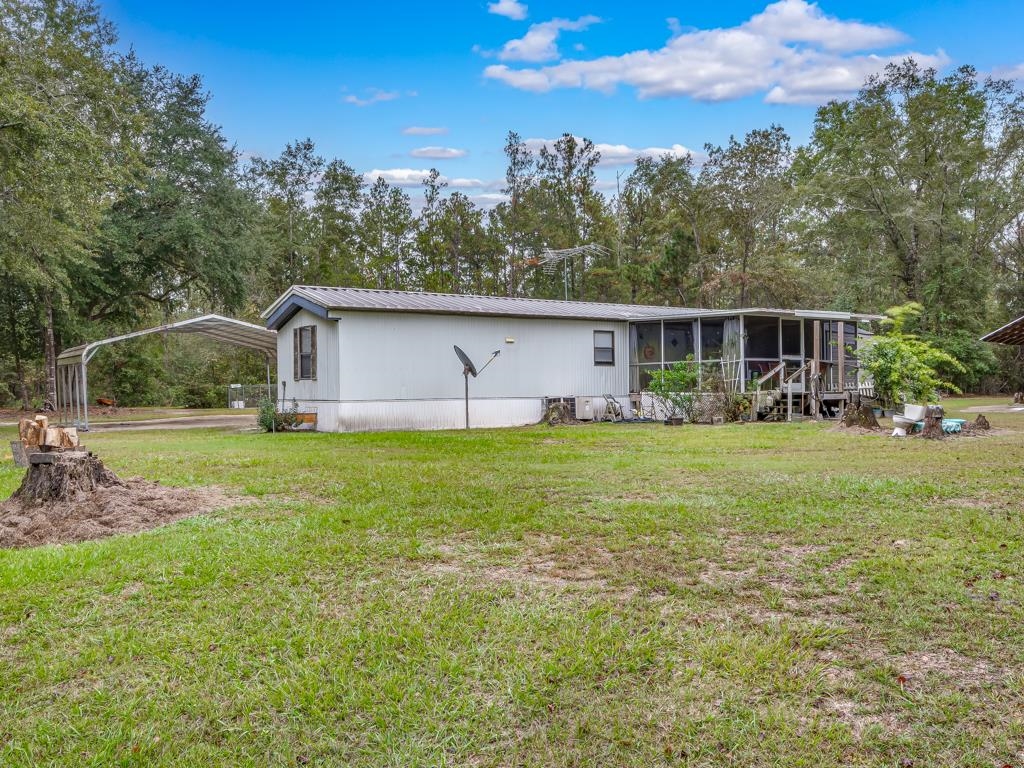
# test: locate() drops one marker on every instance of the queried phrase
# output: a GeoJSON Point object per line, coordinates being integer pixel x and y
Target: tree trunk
{"type": "Point", "coordinates": [19, 372]}
{"type": "Point", "coordinates": [50, 353]}
{"type": "Point", "coordinates": [933, 426]}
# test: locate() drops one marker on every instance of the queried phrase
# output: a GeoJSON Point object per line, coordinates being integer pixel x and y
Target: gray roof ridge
{"type": "Point", "coordinates": [487, 296]}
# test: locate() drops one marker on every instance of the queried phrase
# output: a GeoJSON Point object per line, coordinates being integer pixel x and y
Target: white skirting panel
{"type": "Point", "coordinates": [387, 415]}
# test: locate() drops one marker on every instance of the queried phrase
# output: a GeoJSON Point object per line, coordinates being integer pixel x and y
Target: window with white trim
{"type": "Point", "coordinates": [604, 348]}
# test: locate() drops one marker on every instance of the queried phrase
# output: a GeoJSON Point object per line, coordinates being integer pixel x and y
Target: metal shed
{"type": "Point", "coordinates": [73, 363]}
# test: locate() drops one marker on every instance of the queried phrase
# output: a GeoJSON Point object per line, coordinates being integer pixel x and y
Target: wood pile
{"type": "Point", "coordinates": [37, 435]}
{"type": "Point", "coordinates": [58, 468]}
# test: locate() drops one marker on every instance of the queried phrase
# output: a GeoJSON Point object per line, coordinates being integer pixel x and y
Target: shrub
{"type": "Point", "coordinates": [732, 404]}
{"type": "Point", "coordinates": [676, 389]}
{"type": "Point", "coordinates": [270, 419]}
{"type": "Point", "coordinates": [904, 367]}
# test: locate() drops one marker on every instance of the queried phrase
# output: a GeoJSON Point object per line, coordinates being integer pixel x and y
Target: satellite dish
{"type": "Point", "coordinates": [470, 368]}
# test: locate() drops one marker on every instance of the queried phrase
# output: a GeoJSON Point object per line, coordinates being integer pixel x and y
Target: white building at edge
{"type": "Point", "coordinates": [377, 360]}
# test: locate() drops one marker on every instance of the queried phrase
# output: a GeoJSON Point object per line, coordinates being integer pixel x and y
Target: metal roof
{"type": "Point", "coordinates": [1011, 333]}
{"type": "Point", "coordinates": [226, 329]}
{"type": "Point", "coordinates": [330, 299]}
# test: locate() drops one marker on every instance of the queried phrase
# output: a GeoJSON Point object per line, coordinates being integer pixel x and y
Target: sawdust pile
{"type": "Point", "coordinates": [126, 506]}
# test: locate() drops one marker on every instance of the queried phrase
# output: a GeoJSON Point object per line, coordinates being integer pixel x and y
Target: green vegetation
{"type": "Point", "coordinates": [785, 594]}
{"type": "Point", "coordinates": [123, 206]}
{"type": "Point", "coordinates": [905, 368]}
{"type": "Point", "coordinates": [676, 388]}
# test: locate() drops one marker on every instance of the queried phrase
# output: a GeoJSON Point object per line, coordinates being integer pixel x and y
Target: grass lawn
{"type": "Point", "coordinates": [101, 415]}
{"type": "Point", "coordinates": [770, 595]}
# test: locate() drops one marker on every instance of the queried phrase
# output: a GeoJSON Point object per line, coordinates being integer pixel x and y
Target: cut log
{"type": "Point", "coordinates": [36, 434]}
{"type": "Point", "coordinates": [64, 477]}
{"type": "Point", "coordinates": [28, 433]}
{"type": "Point", "coordinates": [61, 437]}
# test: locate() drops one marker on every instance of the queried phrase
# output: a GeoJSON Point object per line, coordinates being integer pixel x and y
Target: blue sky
{"type": "Point", "coordinates": [360, 78]}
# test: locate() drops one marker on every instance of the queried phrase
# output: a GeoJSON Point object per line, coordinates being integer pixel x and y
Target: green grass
{"type": "Point", "coordinates": [770, 595]}
{"type": "Point", "coordinates": [99, 415]}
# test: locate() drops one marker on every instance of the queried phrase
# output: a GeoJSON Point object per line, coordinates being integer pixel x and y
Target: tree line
{"type": "Point", "coordinates": [122, 205]}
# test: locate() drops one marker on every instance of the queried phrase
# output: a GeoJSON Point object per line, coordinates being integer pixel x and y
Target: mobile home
{"type": "Point", "coordinates": [365, 359]}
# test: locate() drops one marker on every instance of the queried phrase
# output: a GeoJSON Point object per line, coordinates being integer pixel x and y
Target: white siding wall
{"type": "Point", "coordinates": [396, 356]}
{"type": "Point", "coordinates": [326, 387]}
{"type": "Point", "coordinates": [380, 370]}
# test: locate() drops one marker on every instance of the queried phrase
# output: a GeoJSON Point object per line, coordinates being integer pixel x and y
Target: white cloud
{"type": "Point", "coordinates": [614, 155]}
{"type": "Point", "coordinates": [420, 130]}
{"type": "Point", "coordinates": [792, 52]}
{"type": "Point", "coordinates": [488, 200]}
{"type": "Point", "coordinates": [413, 177]}
{"type": "Point", "coordinates": [1009, 72]}
{"type": "Point", "coordinates": [539, 42]}
{"type": "Point", "coordinates": [510, 9]}
{"type": "Point", "coordinates": [438, 153]}
{"type": "Point", "coordinates": [375, 95]}
{"type": "Point", "coordinates": [797, 21]}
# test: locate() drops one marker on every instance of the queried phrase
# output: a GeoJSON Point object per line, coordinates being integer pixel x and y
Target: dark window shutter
{"type": "Point", "coordinates": [312, 352]}
{"type": "Point", "coordinates": [295, 354]}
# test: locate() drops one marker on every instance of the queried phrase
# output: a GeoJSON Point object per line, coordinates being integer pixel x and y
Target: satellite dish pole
{"type": "Point", "coordinates": [468, 369]}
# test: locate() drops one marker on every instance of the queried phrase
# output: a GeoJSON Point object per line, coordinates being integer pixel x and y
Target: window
{"type": "Point", "coordinates": [304, 352]}
{"type": "Point", "coordinates": [604, 348]}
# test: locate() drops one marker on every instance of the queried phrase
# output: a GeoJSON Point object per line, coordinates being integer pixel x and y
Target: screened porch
{"type": "Point", "coordinates": [743, 347]}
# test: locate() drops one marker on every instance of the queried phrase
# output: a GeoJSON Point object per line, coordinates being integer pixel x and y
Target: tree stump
{"type": "Point", "coordinates": [864, 416]}
{"type": "Point", "coordinates": [981, 422]}
{"type": "Point", "coordinates": [557, 413]}
{"type": "Point", "coordinates": [933, 423]}
{"type": "Point", "coordinates": [64, 477]}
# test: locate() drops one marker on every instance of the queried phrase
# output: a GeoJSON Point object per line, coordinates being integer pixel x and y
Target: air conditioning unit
{"type": "Point", "coordinates": [585, 408]}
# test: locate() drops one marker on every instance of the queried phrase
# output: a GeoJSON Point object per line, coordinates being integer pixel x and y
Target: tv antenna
{"type": "Point", "coordinates": [468, 369]}
{"type": "Point", "coordinates": [550, 258]}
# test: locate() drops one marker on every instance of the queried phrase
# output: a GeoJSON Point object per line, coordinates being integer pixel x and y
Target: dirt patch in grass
{"type": "Point", "coordinates": [964, 673]}
{"type": "Point", "coordinates": [137, 505]}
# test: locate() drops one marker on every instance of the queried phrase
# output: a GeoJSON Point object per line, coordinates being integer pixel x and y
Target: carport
{"type": "Point", "coordinates": [73, 363]}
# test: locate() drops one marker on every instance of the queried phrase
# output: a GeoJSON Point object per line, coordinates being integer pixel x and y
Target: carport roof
{"type": "Point", "coordinates": [226, 329]}
{"type": "Point", "coordinates": [1011, 333]}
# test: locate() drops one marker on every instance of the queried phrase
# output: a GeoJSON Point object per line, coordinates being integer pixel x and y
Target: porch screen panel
{"type": "Point", "coordinates": [762, 338]}
{"type": "Point", "coordinates": [678, 340]}
{"type": "Point", "coordinates": [712, 337]}
{"type": "Point", "coordinates": [646, 348]}
{"type": "Point", "coordinates": [645, 352]}
{"type": "Point", "coordinates": [791, 338]}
